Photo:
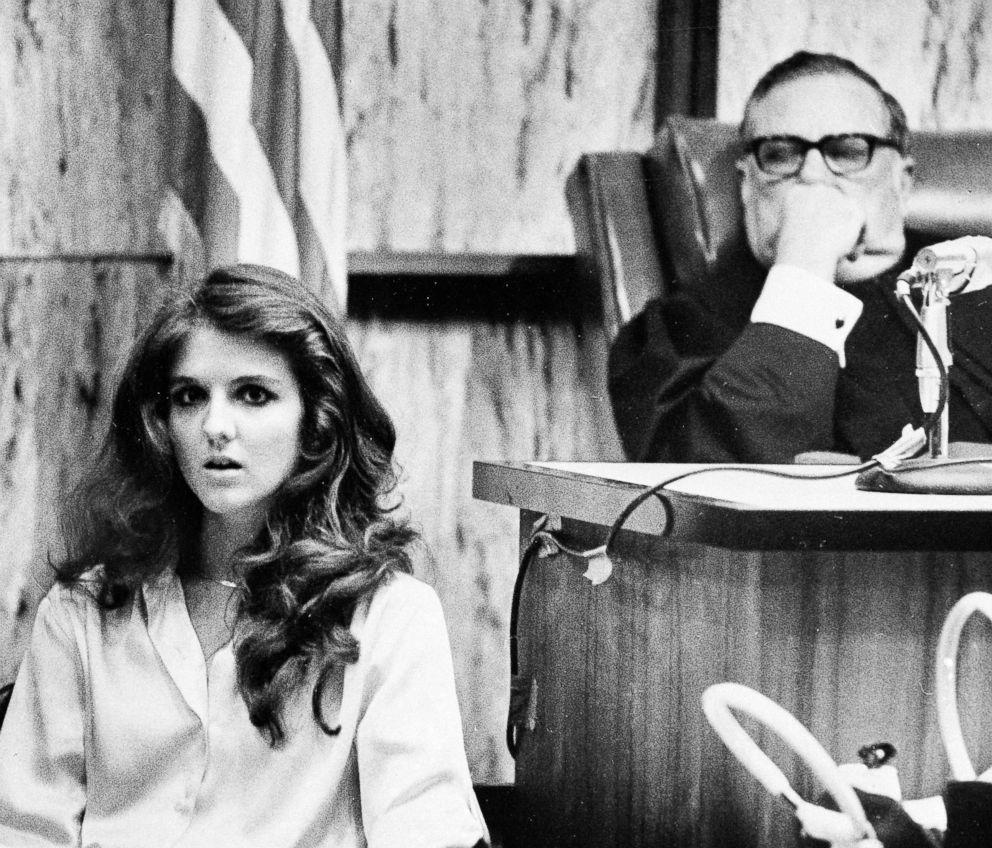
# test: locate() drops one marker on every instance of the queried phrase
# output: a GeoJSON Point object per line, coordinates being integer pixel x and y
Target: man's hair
{"type": "Point", "coordinates": [806, 64]}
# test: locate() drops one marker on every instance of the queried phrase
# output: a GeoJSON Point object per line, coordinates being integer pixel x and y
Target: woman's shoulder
{"type": "Point", "coordinates": [401, 590]}
{"type": "Point", "coordinates": [401, 597]}
{"type": "Point", "coordinates": [402, 626]}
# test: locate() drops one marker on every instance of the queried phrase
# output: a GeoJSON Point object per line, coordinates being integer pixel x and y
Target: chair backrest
{"type": "Point", "coordinates": [644, 221]}
{"type": "Point", "coordinates": [5, 692]}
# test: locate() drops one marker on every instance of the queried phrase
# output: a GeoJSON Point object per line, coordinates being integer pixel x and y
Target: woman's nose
{"type": "Point", "coordinates": [218, 421]}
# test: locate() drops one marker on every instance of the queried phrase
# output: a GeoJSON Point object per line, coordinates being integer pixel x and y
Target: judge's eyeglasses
{"type": "Point", "coordinates": [784, 155]}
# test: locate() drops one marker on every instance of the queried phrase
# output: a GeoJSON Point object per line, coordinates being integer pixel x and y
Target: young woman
{"type": "Point", "coordinates": [235, 653]}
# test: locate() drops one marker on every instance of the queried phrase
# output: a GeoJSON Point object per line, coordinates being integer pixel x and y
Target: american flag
{"type": "Point", "coordinates": [257, 153]}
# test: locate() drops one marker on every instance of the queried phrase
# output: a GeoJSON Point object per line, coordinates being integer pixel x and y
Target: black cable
{"type": "Point", "coordinates": [533, 545]}
{"type": "Point", "coordinates": [929, 422]}
{"type": "Point", "coordinates": [657, 488]}
{"type": "Point", "coordinates": [930, 419]}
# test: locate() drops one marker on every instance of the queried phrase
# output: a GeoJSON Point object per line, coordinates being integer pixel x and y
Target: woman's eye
{"type": "Point", "coordinates": [185, 395]}
{"type": "Point", "coordinates": [255, 395]}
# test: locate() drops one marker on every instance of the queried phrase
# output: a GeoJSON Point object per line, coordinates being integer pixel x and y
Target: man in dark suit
{"type": "Point", "coordinates": [819, 357]}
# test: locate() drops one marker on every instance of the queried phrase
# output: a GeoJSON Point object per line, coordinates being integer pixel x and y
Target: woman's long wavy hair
{"type": "Point", "coordinates": [330, 538]}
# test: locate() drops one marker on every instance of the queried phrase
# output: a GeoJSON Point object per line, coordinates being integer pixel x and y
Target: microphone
{"type": "Point", "coordinates": [941, 270]}
{"type": "Point", "coordinates": [960, 265]}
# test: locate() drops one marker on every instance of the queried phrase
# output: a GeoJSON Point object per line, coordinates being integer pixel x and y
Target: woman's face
{"type": "Point", "coordinates": [235, 414]}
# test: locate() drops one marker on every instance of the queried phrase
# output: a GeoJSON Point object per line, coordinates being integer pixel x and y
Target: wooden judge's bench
{"type": "Point", "coordinates": [824, 598]}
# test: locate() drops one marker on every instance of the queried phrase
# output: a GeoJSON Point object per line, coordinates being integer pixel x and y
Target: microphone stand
{"type": "Point", "coordinates": [934, 318]}
{"type": "Point", "coordinates": [937, 272]}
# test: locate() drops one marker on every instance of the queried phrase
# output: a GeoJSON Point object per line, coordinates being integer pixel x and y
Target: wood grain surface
{"type": "Point", "coordinates": [622, 754]}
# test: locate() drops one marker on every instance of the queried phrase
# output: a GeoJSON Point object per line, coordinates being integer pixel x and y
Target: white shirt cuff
{"type": "Point", "coordinates": [797, 300]}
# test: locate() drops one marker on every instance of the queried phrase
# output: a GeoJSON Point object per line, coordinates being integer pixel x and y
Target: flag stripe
{"type": "Point", "coordinates": [274, 88]}
{"type": "Point", "coordinates": [243, 17]}
{"type": "Point", "coordinates": [323, 173]}
{"type": "Point", "coordinates": [190, 160]}
{"type": "Point", "coordinates": [201, 187]}
{"type": "Point", "coordinates": [260, 74]}
{"type": "Point", "coordinates": [327, 20]}
{"type": "Point", "coordinates": [211, 62]}
{"type": "Point", "coordinates": [300, 130]}
{"type": "Point", "coordinates": [276, 99]}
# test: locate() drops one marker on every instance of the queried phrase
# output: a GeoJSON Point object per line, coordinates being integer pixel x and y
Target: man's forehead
{"type": "Point", "coordinates": [818, 105]}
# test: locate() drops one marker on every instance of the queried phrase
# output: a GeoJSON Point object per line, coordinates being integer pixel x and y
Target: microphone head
{"type": "Point", "coordinates": [959, 264]}
{"type": "Point", "coordinates": [955, 256]}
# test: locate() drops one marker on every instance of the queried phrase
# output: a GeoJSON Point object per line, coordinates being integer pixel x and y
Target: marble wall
{"type": "Point", "coordinates": [81, 113]}
{"type": "Point", "coordinates": [935, 56]}
{"type": "Point", "coordinates": [81, 117]}
{"type": "Point", "coordinates": [464, 118]}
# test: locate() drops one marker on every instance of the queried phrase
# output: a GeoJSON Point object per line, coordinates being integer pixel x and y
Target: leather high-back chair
{"type": "Point", "coordinates": [646, 223]}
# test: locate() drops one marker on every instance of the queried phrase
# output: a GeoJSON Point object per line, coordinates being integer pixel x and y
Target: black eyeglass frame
{"type": "Point", "coordinates": [805, 146]}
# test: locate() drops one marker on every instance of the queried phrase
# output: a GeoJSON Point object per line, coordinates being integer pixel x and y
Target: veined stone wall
{"type": "Point", "coordinates": [935, 56]}
{"type": "Point", "coordinates": [464, 118]}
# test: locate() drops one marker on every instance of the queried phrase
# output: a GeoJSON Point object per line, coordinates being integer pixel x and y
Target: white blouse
{"type": "Point", "coordinates": [119, 733]}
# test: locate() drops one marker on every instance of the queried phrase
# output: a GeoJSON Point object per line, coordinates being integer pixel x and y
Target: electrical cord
{"type": "Point", "coordinates": [512, 738]}
{"type": "Point", "coordinates": [931, 419]}
{"type": "Point", "coordinates": [890, 458]}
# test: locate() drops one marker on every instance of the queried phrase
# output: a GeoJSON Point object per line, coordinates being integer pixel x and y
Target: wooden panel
{"type": "Point", "coordinates": [464, 119]}
{"type": "Point", "coordinates": [936, 58]}
{"type": "Point", "coordinates": [622, 755]}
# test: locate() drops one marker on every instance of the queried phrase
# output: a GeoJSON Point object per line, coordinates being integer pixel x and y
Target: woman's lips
{"type": "Point", "coordinates": [221, 463]}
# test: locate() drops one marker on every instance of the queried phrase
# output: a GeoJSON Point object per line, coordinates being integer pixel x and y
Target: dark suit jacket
{"type": "Point", "coordinates": [692, 380]}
